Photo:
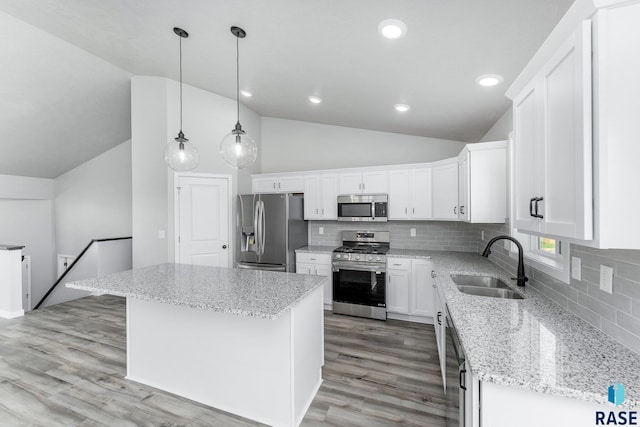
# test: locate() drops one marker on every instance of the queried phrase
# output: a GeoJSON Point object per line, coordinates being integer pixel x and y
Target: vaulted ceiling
{"type": "Point", "coordinates": [65, 94]}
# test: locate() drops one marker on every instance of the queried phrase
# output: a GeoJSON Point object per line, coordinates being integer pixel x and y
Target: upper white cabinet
{"type": "Point", "coordinates": [617, 126]}
{"type": "Point", "coordinates": [410, 194]}
{"type": "Point", "coordinates": [277, 183]}
{"type": "Point", "coordinates": [552, 123]}
{"type": "Point", "coordinates": [369, 182]}
{"type": "Point", "coordinates": [576, 128]}
{"type": "Point", "coordinates": [320, 197]}
{"type": "Point", "coordinates": [445, 189]}
{"type": "Point", "coordinates": [482, 182]}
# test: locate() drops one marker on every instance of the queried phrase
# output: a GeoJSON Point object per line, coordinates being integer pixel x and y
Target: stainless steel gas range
{"type": "Point", "coordinates": [359, 274]}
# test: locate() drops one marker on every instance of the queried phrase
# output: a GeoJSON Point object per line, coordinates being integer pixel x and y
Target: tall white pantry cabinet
{"type": "Point", "coordinates": [576, 128]}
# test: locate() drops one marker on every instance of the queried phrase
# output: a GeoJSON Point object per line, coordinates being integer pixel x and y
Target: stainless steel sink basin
{"type": "Point", "coordinates": [478, 281]}
{"type": "Point", "coordinates": [489, 292]}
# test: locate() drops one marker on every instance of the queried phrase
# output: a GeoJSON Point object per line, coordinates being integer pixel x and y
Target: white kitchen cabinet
{"type": "Point", "coordinates": [398, 277]}
{"type": "Point", "coordinates": [320, 197]}
{"type": "Point", "coordinates": [410, 194]}
{"type": "Point", "coordinates": [317, 264]}
{"type": "Point", "coordinates": [553, 145]}
{"type": "Point", "coordinates": [277, 183]}
{"type": "Point", "coordinates": [370, 182]}
{"type": "Point", "coordinates": [444, 189]}
{"type": "Point", "coordinates": [440, 326]}
{"type": "Point", "coordinates": [409, 289]}
{"type": "Point", "coordinates": [482, 182]}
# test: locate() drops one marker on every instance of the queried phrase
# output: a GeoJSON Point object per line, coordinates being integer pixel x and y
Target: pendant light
{"type": "Point", "coordinates": [237, 148]}
{"type": "Point", "coordinates": [180, 154]}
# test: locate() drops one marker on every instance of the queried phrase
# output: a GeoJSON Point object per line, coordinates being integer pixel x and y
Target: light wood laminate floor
{"type": "Point", "coordinates": [65, 366]}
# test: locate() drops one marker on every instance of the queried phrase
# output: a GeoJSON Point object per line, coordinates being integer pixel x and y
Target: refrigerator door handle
{"type": "Point", "coordinates": [262, 228]}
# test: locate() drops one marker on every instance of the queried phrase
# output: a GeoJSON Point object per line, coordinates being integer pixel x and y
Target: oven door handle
{"type": "Point", "coordinates": [345, 266]}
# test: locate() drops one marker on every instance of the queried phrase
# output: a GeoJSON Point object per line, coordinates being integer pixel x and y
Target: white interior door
{"type": "Point", "coordinates": [202, 220]}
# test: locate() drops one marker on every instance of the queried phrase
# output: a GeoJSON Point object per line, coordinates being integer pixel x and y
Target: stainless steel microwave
{"type": "Point", "coordinates": [363, 207]}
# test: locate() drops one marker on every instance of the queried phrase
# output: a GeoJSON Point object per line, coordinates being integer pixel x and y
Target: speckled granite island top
{"type": "Point", "coordinates": [253, 293]}
{"type": "Point", "coordinates": [533, 343]}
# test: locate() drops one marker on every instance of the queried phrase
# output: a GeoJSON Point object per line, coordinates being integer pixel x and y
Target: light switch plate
{"type": "Point", "coordinates": [481, 234]}
{"type": "Point", "coordinates": [412, 232]}
{"type": "Point", "coordinates": [320, 230]}
{"type": "Point", "coordinates": [606, 278]}
{"type": "Point", "coordinates": [576, 268]}
{"type": "Point", "coordinates": [161, 234]}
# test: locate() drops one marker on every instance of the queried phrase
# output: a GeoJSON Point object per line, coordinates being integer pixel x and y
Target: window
{"type": "Point", "coordinates": [543, 253]}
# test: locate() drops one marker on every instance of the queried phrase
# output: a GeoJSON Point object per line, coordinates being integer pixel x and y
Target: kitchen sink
{"type": "Point", "coordinates": [490, 292]}
{"type": "Point", "coordinates": [478, 281]}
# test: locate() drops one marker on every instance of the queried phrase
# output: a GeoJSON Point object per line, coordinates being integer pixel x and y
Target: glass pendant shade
{"type": "Point", "coordinates": [238, 149]}
{"type": "Point", "coordinates": [181, 155]}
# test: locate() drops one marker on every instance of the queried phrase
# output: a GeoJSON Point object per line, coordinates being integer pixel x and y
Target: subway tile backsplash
{"type": "Point", "coordinates": [430, 235]}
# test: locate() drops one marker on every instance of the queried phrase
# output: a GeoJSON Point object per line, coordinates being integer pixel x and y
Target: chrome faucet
{"type": "Point", "coordinates": [522, 279]}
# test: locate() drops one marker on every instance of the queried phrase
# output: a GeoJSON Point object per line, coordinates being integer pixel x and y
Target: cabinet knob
{"type": "Point", "coordinates": [455, 210]}
{"type": "Point", "coordinates": [433, 274]}
{"type": "Point", "coordinates": [224, 246]}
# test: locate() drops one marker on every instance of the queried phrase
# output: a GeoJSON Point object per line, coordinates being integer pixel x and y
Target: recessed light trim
{"type": "Point", "coordinates": [392, 28]}
{"type": "Point", "coordinates": [402, 108]}
{"type": "Point", "coordinates": [246, 93]}
{"type": "Point", "coordinates": [315, 99]}
{"type": "Point", "coordinates": [488, 80]}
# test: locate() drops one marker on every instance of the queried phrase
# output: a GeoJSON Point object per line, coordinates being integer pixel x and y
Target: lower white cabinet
{"type": "Point", "coordinates": [409, 289]}
{"type": "Point", "coordinates": [317, 264]}
{"type": "Point", "coordinates": [440, 326]}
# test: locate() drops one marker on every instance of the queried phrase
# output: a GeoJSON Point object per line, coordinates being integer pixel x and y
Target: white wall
{"type": "Point", "coordinates": [24, 187]}
{"type": "Point", "coordinates": [501, 128]}
{"type": "Point", "coordinates": [155, 121]}
{"type": "Point", "coordinates": [290, 145]}
{"type": "Point", "coordinates": [30, 223]}
{"type": "Point", "coordinates": [93, 201]}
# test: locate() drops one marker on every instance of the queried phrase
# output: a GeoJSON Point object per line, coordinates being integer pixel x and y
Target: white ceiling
{"type": "Point", "coordinates": [62, 105]}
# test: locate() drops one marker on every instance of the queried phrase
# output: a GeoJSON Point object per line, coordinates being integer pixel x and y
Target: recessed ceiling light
{"type": "Point", "coordinates": [392, 28]}
{"type": "Point", "coordinates": [489, 80]}
{"type": "Point", "coordinates": [315, 99]}
{"type": "Point", "coordinates": [246, 93]}
{"type": "Point", "coordinates": [403, 108]}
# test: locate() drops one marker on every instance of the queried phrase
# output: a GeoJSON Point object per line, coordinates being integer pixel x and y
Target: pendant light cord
{"type": "Point", "coordinates": [180, 84]}
{"type": "Point", "coordinates": [238, 77]}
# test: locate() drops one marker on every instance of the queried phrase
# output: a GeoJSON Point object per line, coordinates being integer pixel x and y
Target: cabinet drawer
{"type": "Point", "coordinates": [398, 264]}
{"type": "Point", "coordinates": [313, 258]}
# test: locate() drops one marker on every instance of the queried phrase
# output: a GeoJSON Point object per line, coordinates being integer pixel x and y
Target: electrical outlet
{"type": "Point", "coordinates": [161, 234]}
{"type": "Point", "coordinates": [606, 278]}
{"type": "Point", "coordinates": [320, 230]}
{"type": "Point", "coordinates": [576, 268]}
{"type": "Point", "coordinates": [412, 232]}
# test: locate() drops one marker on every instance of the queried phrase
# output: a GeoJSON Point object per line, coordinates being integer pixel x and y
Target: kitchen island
{"type": "Point", "coordinates": [244, 341]}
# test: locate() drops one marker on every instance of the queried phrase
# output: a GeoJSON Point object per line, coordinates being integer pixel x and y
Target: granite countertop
{"type": "Point", "coordinates": [253, 293]}
{"type": "Point", "coordinates": [533, 343]}
{"type": "Point", "coordinates": [316, 249]}
{"type": "Point", "coordinates": [10, 247]}
{"type": "Point", "coordinates": [408, 253]}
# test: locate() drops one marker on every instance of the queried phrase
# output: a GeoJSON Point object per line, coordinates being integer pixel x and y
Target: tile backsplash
{"type": "Point", "coordinates": [616, 314]}
{"type": "Point", "coordinates": [430, 235]}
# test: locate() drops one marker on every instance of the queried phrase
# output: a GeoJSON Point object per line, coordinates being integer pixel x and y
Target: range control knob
{"type": "Point", "coordinates": [378, 258]}
{"type": "Point", "coordinates": [338, 256]}
{"type": "Point", "coordinates": [357, 257]}
{"type": "Point", "coordinates": [369, 258]}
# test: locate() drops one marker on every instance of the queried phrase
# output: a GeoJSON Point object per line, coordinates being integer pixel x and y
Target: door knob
{"type": "Point", "coordinates": [224, 246]}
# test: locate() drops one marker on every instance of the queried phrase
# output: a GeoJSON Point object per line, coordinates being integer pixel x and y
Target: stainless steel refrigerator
{"type": "Point", "coordinates": [270, 228]}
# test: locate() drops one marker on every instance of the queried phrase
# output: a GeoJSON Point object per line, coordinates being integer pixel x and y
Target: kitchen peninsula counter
{"type": "Point", "coordinates": [248, 342]}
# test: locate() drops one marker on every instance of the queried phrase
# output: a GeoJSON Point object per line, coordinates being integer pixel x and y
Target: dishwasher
{"type": "Point", "coordinates": [462, 368]}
